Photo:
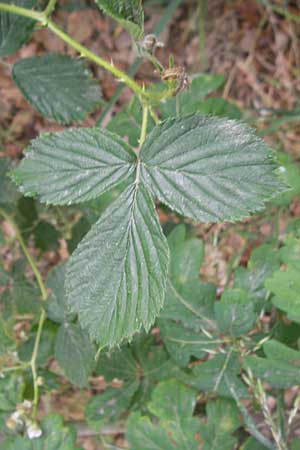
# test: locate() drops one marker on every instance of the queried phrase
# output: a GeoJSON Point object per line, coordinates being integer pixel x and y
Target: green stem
{"type": "Point", "coordinates": [50, 8]}
{"type": "Point", "coordinates": [29, 13]}
{"type": "Point", "coordinates": [144, 125]}
{"type": "Point", "coordinates": [33, 363]}
{"type": "Point", "coordinates": [84, 52]}
{"type": "Point", "coordinates": [26, 253]}
{"type": "Point", "coordinates": [42, 318]}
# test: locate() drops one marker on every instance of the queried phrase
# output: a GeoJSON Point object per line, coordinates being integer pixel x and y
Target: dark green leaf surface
{"type": "Point", "coordinates": [56, 302]}
{"type": "Point", "coordinates": [58, 86]}
{"type": "Point", "coordinates": [182, 343]}
{"type": "Point", "coordinates": [280, 368]}
{"type": "Point", "coordinates": [141, 364]}
{"type": "Point", "coordinates": [189, 102]}
{"type": "Point", "coordinates": [74, 165]}
{"type": "Point", "coordinates": [211, 375]}
{"type": "Point", "coordinates": [187, 299]}
{"type": "Point", "coordinates": [15, 30]}
{"type": "Point", "coordinates": [173, 404]}
{"type": "Point", "coordinates": [122, 264]}
{"type": "Point", "coordinates": [109, 406]}
{"type": "Point", "coordinates": [223, 420]}
{"type": "Point", "coordinates": [129, 13]}
{"type": "Point", "coordinates": [263, 262]}
{"type": "Point", "coordinates": [55, 436]}
{"type": "Point", "coordinates": [235, 312]}
{"type": "Point", "coordinates": [208, 169]}
{"type": "Point", "coordinates": [285, 285]}
{"type": "Point", "coordinates": [74, 353]}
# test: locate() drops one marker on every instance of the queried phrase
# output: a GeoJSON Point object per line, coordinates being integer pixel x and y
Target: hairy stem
{"type": "Point", "coordinates": [50, 8]}
{"type": "Point", "coordinates": [42, 18]}
{"type": "Point", "coordinates": [144, 125]}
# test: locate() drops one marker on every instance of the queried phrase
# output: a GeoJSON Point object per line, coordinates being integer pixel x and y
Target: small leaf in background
{"type": "Point", "coordinates": [235, 312]}
{"type": "Point", "coordinates": [216, 106]}
{"type": "Point", "coordinates": [11, 392]}
{"type": "Point", "coordinates": [129, 13]}
{"type": "Point", "coordinates": [55, 436]}
{"type": "Point", "coordinates": [127, 123]}
{"type": "Point", "coordinates": [253, 444]}
{"type": "Point", "coordinates": [141, 364]}
{"type": "Point", "coordinates": [280, 368]}
{"type": "Point", "coordinates": [58, 86]}
{"type": "Point", "coordinates": [74, 353]}
{"type": "Point", "coordinates": [46, 347]}
{"type": "Point", "coordinates": [183, 343]}
{"type": "Point", "coordinates": [8, 193]}
{"type": "Point", "coordinates": [56, 302]}
{"type": "Point", "coordinates": [209, 376]}
{"type": "Point", "coordinates": [108, 407]}
{"type": "Point", "coordinates": [79, 230]}
{"type": "Point", "coordinates": [290, 252]}
{"type": "Point", "coordinates": [264, 261]}
{"type": "Point", "coordinates": [189, 102]}
{"type": "Point", "coordinates": [208, 169]}
{"type": "Point", "coordinates": [173, 405]}
{"type": "Point", "coordinates": [187, 299]}
{"type": "Point", "coordinates": [46, 236]}
{"type": "Point", "coordinates": [223, 420]}
{"type": "Point", "coordinates": [7, 342]}
{"type": "Point", "coordinates": [116, 277]}
{"type": "Point", "coordinates": [285, 285]}
{"type": "Point", "coordinates": [290, 173]}
{"type": "Point", "coordinates": [74, 166]}
{"type": "Point", "coordinates": [15, 30]}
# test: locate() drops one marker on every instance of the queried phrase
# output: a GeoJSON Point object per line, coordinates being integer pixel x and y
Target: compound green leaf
{"type": "Point", "coordinates": [58, 86]}
{"type": "Point", "coordinates": [116, 277]}
{"type": "Point", "coordinates": [55, 436]}
{"type": "Point", "coordinates": [15, 30]}
{"type": "Point", "coordinates": [209, 169]}
{"type": "Point", "coordinates": [74, 353]}
{"type": "Point", "coordinates": [129, 13]}
{"type": "Point", "coordinates": [74, 166]}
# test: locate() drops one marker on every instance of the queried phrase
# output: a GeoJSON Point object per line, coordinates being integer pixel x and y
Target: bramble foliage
{"type": "Point", "coordinates": [184, 384]}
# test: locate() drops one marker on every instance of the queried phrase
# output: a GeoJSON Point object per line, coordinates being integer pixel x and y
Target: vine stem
{"type": "Point", "coordinates": [42, 318]}
{"type": "Point", "coordinates": [144, 125]}
{"type": "Point", "coordinates": [50, 8]}
{"type": "Point", "coordinates": [42, 18]}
